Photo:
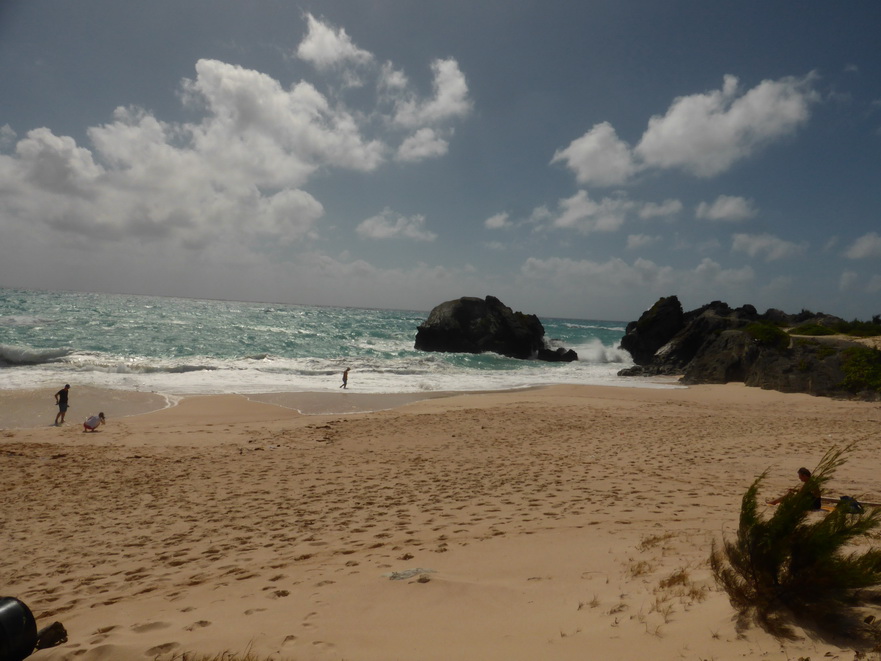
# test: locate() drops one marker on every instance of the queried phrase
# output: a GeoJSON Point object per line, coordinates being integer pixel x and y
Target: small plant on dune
{"type": "Point", "coordinates": [787, 569]}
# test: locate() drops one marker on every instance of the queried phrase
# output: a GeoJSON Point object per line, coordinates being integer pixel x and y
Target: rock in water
{"type": "Point", "coordinates": [474, 325]}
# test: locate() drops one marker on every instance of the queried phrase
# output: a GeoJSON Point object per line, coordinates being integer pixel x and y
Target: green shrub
{"type": "Point", "coordinates": [855, 328]}
{"type": "Point", "coordinates": [862, 369]}
{"type": "Point", "coordinates": [825, 351]}
{"type": "Point", "coordinates": [768, 335]}
{"type": "Point", "coordinates": [858, 328]}
{"type": "Point", "coordinates": [812, 330]}
{"type": "Point", "coordinates": [787, 570]}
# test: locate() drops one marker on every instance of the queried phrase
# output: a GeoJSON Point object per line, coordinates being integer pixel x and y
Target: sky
{"type": "Point", "coordinates": [573, 159]}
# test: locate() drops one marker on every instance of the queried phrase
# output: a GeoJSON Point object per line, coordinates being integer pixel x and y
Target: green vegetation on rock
{"type": "Point", "coordinates": [812, 330]}
{"type": "Point", "coordinates": [862, 369]}
{"type": "Point", "coordinates": [768, 335]}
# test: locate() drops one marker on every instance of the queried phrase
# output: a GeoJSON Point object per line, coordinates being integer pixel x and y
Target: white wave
{"type": "Point", "coordinates": [285, 375]}
{"type": "Point", "coordinates": [597, 352]}
{"type": "Point", "coordinates": [18, 355]}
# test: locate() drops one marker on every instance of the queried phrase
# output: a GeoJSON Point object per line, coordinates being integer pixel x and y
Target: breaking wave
{"type": "Point", "coordinates": [11, 355]}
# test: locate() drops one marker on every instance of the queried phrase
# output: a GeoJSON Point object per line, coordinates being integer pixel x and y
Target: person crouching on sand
{"type": "Point", "coordinates": [92, 423]}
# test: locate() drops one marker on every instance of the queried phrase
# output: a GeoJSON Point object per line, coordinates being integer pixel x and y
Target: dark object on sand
{"type": "Point", "coordinates": [51, 636]}
{"type": "Point", "coordinates": [18, 630]}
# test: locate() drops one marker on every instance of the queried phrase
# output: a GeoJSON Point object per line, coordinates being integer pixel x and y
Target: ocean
{"type": "Point", "coordinates": [187, 346]}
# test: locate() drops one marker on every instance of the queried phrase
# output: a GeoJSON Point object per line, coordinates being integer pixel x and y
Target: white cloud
{"type": "Point", "coordinates": [598, 157]}
{"type": "Point", "coordinates": [614, 274]}
{"type": "Point", "coordinates": [665, 209]}
{"type": "Point", "coordinates": [7, 136]}
{"type": "Point", "coordinates": [423, 144]}
{"type": "Point", "coordinates": [234, 175]}
{"type": "Point", "coordinates": [287, 216]}
{"type": "Point", "coordinates": [392, 225]}
{"type": "Point", "coordinates": [498, 221]}
{"type": "Point", "coordinates": [325, 47]}
{"type": "Point", "coordinates": [55, 164]}
{"type": "Point", "coordinates": [726, 208]}
{"type": "Point", "coordinates": [703, 134]}
{"type": "Point", "coordinates": [271, 133]}
{"type": "Point", "coordinates": [773, 248]}
{"type": "Point", "coordinates": [847, 280]}
{"type": "Point", "coordinates": [867, 246]}
{"type": "Point", "coordinates": [709, 272]}
{"type": "Point", "coordinates": [615, 279]}
{"type": "Point", "coordinates": [584, 215]}
{"type": "Point", "coordinates": [704, 247]}
{"type": "Point", "coordinates": [391, 79]}
{"type": "Point", "coordinates": [450, 98]}
{"type": "Point", "coordinates": [637, 241]}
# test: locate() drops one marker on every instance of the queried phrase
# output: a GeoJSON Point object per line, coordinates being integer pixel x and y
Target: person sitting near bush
{"type": "Point", "coordinates": [92, 423]}
{"type": "Point", "coordinates": [805, 476]}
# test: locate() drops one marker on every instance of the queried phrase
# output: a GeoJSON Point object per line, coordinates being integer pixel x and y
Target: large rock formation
{"type": "Point", "coordinates": [474, 325]}
{"type": "Point", "coordinates": [665, 339]}
{"type": "Point", "coordinates": [718, 344]}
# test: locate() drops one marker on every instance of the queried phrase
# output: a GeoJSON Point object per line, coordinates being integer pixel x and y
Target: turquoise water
{"type": "Point", "coordinates": [176, 345]}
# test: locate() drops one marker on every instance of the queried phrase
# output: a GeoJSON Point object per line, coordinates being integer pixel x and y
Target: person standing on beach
{"type": "Point", "coordinates": [61, 401]}
{"type": "Point", "coordinates": [345, 379]}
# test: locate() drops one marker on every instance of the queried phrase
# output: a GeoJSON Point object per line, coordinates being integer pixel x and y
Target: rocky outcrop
{"type": "Point", "coordinates": [718, 344]}
{"type": "Point", "coordinates": [474, 325]}
{"type": "Point", "coordinates": [655, 328]}
{"type": "Point", "coordinates": [665, 339]}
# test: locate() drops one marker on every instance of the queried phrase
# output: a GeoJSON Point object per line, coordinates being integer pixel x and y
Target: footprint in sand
{"type": "Point", "coordinates": [201, 624]}
{"type": "Point", "coordinates": [161, 649]}
{"type": "Point", "coordinates": [149, 626]}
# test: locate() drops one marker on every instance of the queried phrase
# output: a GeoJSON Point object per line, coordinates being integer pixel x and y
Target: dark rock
{"type": "Point", "coordinates": [809, 365]}
{"type": "Point", "coordinates": [558, 355]}
{"type": "Point", "coordinates": [653, 330]}
{"type": "Point", "coordinates": [723, 358]}
{"type": "Point", "coordinates": [649, 370]}
{"type": "Point", "coordinates": [669, 339]}
{"type": "Point", "coordinates": [718, 344]}
{"type": "Point", "coordinates": [474, 325]}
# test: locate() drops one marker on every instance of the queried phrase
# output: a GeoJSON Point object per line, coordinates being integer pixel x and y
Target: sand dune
{"type": "Point", "coordinates": [560, 523]}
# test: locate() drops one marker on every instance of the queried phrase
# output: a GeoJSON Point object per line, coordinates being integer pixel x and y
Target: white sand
{"type": "Point", "coordinates": [547, 523]}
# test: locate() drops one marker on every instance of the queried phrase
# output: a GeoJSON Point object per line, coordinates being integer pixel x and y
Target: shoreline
{"type": "Point", "coordinates": [35, 408]}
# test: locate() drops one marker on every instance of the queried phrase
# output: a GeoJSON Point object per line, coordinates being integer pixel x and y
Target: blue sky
{"type": "Point", "coordinates": [574, 159]}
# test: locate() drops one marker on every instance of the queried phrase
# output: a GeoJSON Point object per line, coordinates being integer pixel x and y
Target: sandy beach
{"type": "Point", "coordinates": [569, 522]}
